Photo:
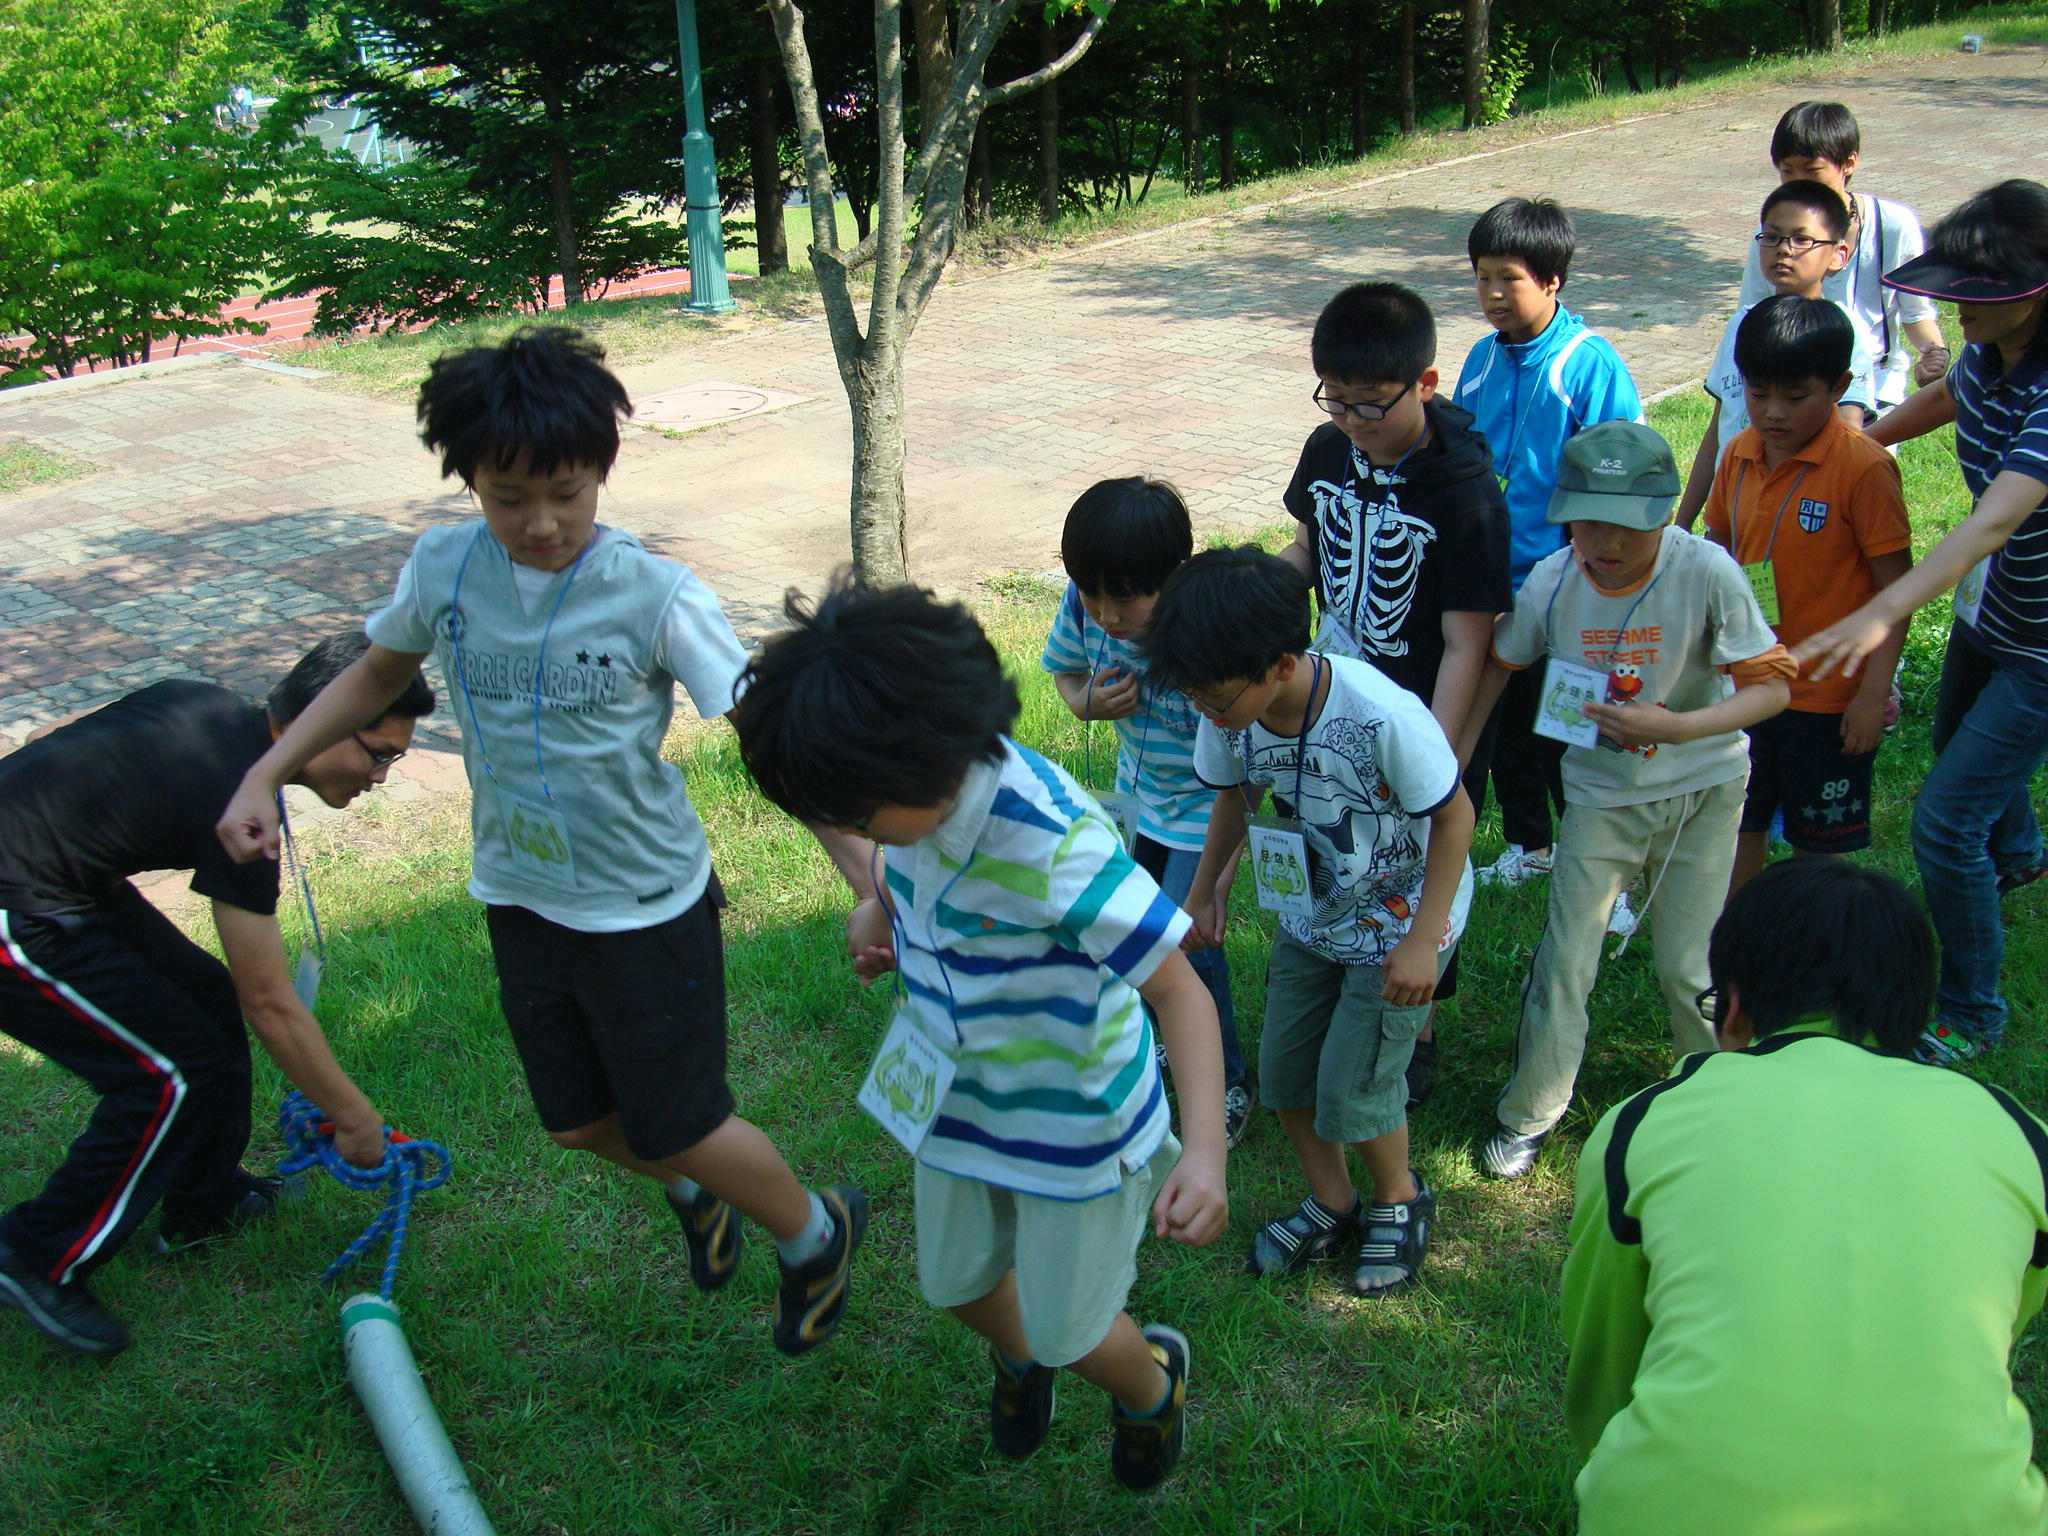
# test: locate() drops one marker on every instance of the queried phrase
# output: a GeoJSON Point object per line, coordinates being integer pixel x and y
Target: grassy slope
{"type": "Point", "coordinates": [592, 1392]}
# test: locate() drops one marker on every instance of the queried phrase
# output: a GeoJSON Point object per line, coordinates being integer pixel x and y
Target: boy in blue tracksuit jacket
{"type": "Point", "coordinates": [1539, 379]}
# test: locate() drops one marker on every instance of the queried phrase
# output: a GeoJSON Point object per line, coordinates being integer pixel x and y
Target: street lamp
{"type": "Point", "coordinates": [709, 294]}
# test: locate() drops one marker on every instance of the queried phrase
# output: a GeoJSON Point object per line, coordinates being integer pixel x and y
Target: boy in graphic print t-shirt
{"type": "Point", "coordinates": [1662, 622]}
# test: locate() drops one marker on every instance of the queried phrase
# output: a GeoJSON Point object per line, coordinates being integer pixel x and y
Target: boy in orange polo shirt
{"type": "Point", "coordinates": [1819, 526]}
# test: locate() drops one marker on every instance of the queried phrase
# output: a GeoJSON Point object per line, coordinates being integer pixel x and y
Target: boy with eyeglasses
{"type": "Point", "coordinates": [1804, 237]}
{"type": "Point", "coordinates": [1403, 526]}
{"type": "Point", "coordinates": [563, 641]}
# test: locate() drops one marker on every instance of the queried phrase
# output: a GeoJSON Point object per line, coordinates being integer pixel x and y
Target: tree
{"type": "Point", "coordinates": [1478, 18]}
{"type": "Point", "coordinates": [132, 208]}
{"type": "Point", "coordinates": [905, 267]}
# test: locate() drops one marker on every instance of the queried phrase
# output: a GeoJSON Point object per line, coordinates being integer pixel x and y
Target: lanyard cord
{"type": "Point", "coordinates": [900, 931]}
{"type": "Point", "coordinates": [539, 666]}
{"type": "Point", "coordinates": [1143, 712]}
{"type": "Point", "coordinates": [1360, 560]}
{"type": "Point", "coordinates": [1856, 277]}
{"type": "Point", "coordinates": [298, 871]}
{"type": "Point", "coordinates": [1520, 419]}
{"type": "Point", "coordinates": [1315, 674]}
{"type": "Point", "coordinates": [1615, 649]}
{"type": "Point", "coordinates": [1735, 502]}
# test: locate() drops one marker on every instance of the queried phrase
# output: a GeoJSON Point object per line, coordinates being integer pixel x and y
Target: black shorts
{"type": "Point", "coordinates": [1797, 765]}
{"type": "Point", "coordinates": [631, 1022]}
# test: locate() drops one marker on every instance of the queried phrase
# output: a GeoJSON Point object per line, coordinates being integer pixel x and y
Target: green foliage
{"type": "Point", "coordinates": [1507, 71]}
{"type": "Point", "coordinates": [23, 464]}
{"type": "Point", "coordinates": [130, 210]}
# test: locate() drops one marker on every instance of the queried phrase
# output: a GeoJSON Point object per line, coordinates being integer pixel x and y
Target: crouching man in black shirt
{"type": "Point", "coordinates": [96, 979]}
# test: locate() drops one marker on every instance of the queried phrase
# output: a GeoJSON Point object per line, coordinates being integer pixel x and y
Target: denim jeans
{"type": "Point", "coordinates": [1174, 869]}
{"type": "Point", "coordinates": [1974, 820]}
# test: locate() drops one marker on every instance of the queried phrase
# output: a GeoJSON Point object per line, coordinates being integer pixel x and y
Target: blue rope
{"type": "Point", "coordinates": [404, 1173]}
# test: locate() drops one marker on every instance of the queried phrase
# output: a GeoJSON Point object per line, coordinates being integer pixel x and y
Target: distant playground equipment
{"type": "Point", "coordinates": [381, 1367]}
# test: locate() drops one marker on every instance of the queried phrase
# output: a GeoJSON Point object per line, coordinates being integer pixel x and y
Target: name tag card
{"type": "Point", "coordinates": [1763, 585]}
{"type": "Point", "coordinates": [307, 982]}
{"type": "Point", "coordinates": [1278, 856]}
{"type": "Point", "coordinates": [1566, 686]}
{"type": "Point", "coordinates": [1122, 811]}
{"type": "Point", "coordinates": [538, 835]}
{"type": "Point", "coordinates": [906, 1083]}
{"type": "Point", "coordinates": [1969, 596]}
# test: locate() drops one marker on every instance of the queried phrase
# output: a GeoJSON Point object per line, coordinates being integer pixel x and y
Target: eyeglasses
{"type": "Point", "coordinates": [1342, 408]}
{"type": "Point", "coordinates": [1709, 1005]}
{"type": "Point", "coordinates": [1218, 709]}
{"type": "Point", "coordinates": [377, 759]}
{"type": "Point", "coordinates": [1795, 245]}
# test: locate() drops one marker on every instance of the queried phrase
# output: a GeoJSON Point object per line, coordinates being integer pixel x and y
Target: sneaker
{"type": "Point", "coordinates": [70, 1314]}
{"type": "Point", "coordinates": [1020, 1407]}
{"type": "Point", "coordinates": [812, 1298]}
{"type": "Point", "coordinates": [1509, 1155]}
{"type": "Point", "coordinates": [1946, 1046]}
{"type": "Point", "coordinates": [2016, 879]}
{"type": "Point", "coordinates": [1147, 1446]}
{"type": "Point", "coordinates": [1516, 866]}
{"type": "Point", "coordinates": [1622, 921]}
{"type": "Point", "coordinates": [711, 1231]}
{"type": "Point", "coordinates": [1307, 1235]}
{"type": "Point", "coordinates": [260, 1199]}
{"type": "Point", "coordinates": [1396, 1243]}
{"type": "Point", "coordinates": [1237, 1115]}
{"type": "Point", "coordinates": [1421, 1072]}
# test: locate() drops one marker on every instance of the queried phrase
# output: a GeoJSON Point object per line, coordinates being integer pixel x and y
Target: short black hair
{"type": "Point", "coordinates": [1787, 340]}
{"type": "Point", "coordinates": [543, 390]}
{"type": "Point", "coordinates": [1826, 937]}
{"type": "Point", "coordinates": [1816, 130]}
{"type": "Point", "coordinates": [1125, 537]}
{"type": "Point", "coordinates": [2001, 231]}
{"type": "Point", "coordinates": [322, 665]}
{"type": "Point", "coordinates": [1225, 616]}
{"type": "Point", "coordinates": [1537, 232]}
{"type": "Point", "coordinates": [1374, 333]}
{"type": "Point", "coordinates": [877, 696]}
{"type": "Point", "coordinates": [1818, 198]}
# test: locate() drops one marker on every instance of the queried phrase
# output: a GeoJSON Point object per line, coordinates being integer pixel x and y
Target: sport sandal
{"type": "Point", "coordinates": [1396, 1242]}
{"type": "Point", "coordinates": [1307, 1235]}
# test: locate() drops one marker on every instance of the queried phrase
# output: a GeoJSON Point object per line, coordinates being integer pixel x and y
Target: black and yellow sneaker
{"type": "Point", "coordinates": [711, 1231]}
{"type": "Point", "coordinates": [1020, 1407]}
{"type": "Point", "coordinates": [813, 1296]}
{"type": "Point", "coordinates": [261, 1196]}
{"type": "Point", "coordinates": [1147, 1446]}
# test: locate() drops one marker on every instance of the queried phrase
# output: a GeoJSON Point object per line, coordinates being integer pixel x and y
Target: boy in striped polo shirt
{"type": "Point", "coordinates": [1024, 938]}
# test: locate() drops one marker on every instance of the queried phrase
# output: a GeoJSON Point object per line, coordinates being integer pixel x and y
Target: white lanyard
{"type": "Point", "coordinates": [306, 983]}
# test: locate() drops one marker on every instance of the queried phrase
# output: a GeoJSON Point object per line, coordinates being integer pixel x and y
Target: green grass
{"type": "Point", "coordinates": [591, 1391]}
{"type": "Point", "coordinates": [23, 466]}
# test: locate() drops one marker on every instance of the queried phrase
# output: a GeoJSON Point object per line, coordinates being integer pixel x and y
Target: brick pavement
{"type": "Point", "coordinates": [238, 513]}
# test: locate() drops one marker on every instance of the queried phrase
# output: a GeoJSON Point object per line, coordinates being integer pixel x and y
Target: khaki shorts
{"type": "Point", "coordinates": [1075, 1259]}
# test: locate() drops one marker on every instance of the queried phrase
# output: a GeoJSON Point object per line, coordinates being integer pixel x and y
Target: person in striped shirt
{"type": "Point", "coordinates": [1975, 835]}
{"type": "Point", "coordinates": [1026, 944]}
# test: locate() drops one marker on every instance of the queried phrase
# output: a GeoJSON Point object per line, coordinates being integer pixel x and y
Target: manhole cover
{"type": "Point", "coordinates": [704, 405]}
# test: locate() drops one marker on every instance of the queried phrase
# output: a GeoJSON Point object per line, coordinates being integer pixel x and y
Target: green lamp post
{"type": "Point", "coordinates": [709, 294]}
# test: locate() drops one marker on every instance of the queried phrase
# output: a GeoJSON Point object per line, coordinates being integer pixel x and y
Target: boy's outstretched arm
{"type": "Point", "coordinates": [1920, 413]}
{"type": "Point", "coordinates": [1409, 971]}
{"type": "Point", "coordinates": [1638, 725]}
{"type": "Point", "coordinates": [1220, 847]}
{"type": "Point", "coordinates": [1701, 480]}
{"type": "Point", "coordinates": [359, 697]}
{"type": "Point", "coordinates": [1863, 720]}
{"type": "Point", "coordinates": [1194, 1204]}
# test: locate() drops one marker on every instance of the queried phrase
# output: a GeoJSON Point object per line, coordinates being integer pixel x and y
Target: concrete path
{"type": "Point", "coordinates": [240, 512]}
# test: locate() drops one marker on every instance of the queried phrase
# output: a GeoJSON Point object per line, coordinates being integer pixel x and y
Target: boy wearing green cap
{"type": "Point", "coordinates": [1639, 627]}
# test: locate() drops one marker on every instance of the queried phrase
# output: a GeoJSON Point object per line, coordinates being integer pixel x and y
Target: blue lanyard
{"type": "Point", "coordinates": [1361, 552]}
{"type": "Point", "coordinates": [298, 869]}
{"type": "Point", "coordinates": [1300, 742]}
{"type": "Point", "coordinates": [1622, 630]}
{"type": "Point", "coordinates": [540, 665]}
{"type": "Point", "coordinates": [1088, 722]}
{"type": "Point", "coordinates": [901, 933]}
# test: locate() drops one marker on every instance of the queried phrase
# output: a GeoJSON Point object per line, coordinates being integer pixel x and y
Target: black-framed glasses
{"type": "Point", "coordinates": [1218, 709]}
{"type": "Point", "coordinates": [1339, 409]}
{"type": "Point", "coordinates": [377, 759]}
{"type": "Point", "coordinates": [1709, 1005]}
{"type": "Point", "coordinates": [1797, 245]}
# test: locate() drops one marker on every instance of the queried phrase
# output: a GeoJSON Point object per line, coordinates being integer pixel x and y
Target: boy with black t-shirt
{"type": "Point", "coordinates": [1403, 525]}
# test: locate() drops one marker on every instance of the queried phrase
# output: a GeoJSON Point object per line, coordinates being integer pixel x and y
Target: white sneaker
{"type": "Point", "coordinates": [1516, 866]}
{"type": "Point", "coordinates": [1623, 920]}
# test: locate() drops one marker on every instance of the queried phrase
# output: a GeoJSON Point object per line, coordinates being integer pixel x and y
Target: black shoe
{"type": "Point", "coordinates": [259, 1200]}
{"type": "Point", "coordinates": [1237, 1115]}
{"type": "Point", "coordinates": [70, 1314]}
{"type": "Point", "coordinates": [813, 1296]}
{"type": "Point", "coordinates": [1306, 1235]}
{"type": "Point", "coordinates": [1396, 1243]}
{"type": "Point", "coordinates": [2018, 879]}
{"type": "Point", "coordinates": [1421, 1072]}
{"type": "Point", "coordinates": [1508, 1155]}
{"type": "Point", "coordinates": [1020, 1408]}
{"type": "Point", "coordinates": [711, 1231]}
{"type": "Point", "coordinates": [1147, 1446]}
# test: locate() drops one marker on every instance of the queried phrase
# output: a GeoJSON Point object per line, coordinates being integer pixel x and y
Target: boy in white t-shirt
{"type": "Point", "coordinates": [563, 642]}
{"type": "Point", "coordinates": [1368, 866]}
{"type": "Point", "coordinates": [1640, 628]}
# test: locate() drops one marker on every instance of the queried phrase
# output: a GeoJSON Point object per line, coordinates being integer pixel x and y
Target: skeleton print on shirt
{"type": "Point", "coordinates": [1371, 554]}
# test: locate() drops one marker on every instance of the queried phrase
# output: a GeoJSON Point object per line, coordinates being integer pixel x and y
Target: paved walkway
{"type": "Point", "coordinates": [240, 512]}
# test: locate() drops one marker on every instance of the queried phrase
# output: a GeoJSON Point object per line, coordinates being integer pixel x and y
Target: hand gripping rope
{"type": "Point", "coordinates": [403, 1174]}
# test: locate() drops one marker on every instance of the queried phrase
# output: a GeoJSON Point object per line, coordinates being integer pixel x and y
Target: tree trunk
{"type": "Point", "coordinates": [1226, 113]}
{"type": "Point", "coordinates": [1408, 123]}
{"type": "Point", "coordinates": [1048, 129]}
{"type": "Point", "coordinates": [934, 60]}
{"type": "Point", "coordinates": [1478, 16]}
{"type": "Point", "coordinates": [1831, 24]}
{"type": "Point", "coordinates": [1191, 147]}
{"type": "Point", "coordinates": [1878, 8]}
{"type": "Point", "coordinates": [880, 552]}
{"type": "Point", "coordinates": [561, 192]}
{"type": "Point", "coordinates": [771, 237]}
{"type": "Point", "coordinates": [1361, 15]}
{"type": "Point", "coordinates": [981, 180]}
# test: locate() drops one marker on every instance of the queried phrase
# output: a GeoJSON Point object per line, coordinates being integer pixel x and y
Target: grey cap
{"type": "Point", "coordinates": [1616, 472]}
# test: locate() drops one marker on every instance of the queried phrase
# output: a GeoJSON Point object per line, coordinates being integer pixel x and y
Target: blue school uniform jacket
{"type": "Point", "coordinates": [1527, 398]}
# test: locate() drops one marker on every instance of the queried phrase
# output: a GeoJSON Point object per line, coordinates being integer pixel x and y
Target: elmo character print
{"type": "Point", "coordinates": [1624, 686]}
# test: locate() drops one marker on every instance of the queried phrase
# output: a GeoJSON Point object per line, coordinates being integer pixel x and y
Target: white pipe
{"type": "Point", "coordinates": [382, 1370]}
